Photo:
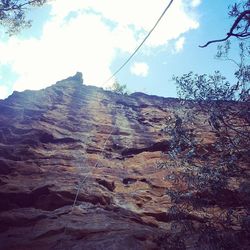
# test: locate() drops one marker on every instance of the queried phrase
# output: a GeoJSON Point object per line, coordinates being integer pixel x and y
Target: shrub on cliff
{"type": "Point", "coordinates": [118, 88]}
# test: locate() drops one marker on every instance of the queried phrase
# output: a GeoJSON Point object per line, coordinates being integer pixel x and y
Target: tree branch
{"type": "Point", "coordinates": [15, 7]}
{"type": "Point", "coordinates": [230, 33]}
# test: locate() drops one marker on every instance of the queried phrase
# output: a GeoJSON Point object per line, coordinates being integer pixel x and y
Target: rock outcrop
{"type": "Point", "coordinates": [84, 168]}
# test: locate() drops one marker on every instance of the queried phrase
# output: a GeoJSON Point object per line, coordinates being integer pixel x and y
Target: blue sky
{"type": "Point", "coordinates": [97, 36]}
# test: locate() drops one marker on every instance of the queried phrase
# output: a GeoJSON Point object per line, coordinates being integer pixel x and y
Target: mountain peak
{"type": "Point", "coordinates": [77, 78]}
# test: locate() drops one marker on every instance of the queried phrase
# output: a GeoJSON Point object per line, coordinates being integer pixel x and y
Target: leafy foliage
{"type": "Point", "coordinates": [205, 166]}
{"type": "Point", "coordinates": [242, 73]}
{"type": "Point", "coordinates": [204, 87]}
{"type": "Point", "coordinates": [119, 88]}
{"type": "Point", "coordinates": [213, 93]}
{"type": "Point", "coordinates": [209, 167]}
{"type": "Point", "coordinates": [13, 14]}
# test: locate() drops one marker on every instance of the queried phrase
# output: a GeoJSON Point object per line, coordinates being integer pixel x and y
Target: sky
{"type": "Point", "coordinates": [95, 37]}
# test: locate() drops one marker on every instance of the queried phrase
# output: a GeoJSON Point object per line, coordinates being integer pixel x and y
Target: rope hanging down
{"type": "Point", "coordinates": [85, 177]}
{"type": "Point", "coordinates": [90, 172]}
{"type": "Point", "coordinates": [111, 132]}
{"type": "Point", "coordinates": [143, 41]}
{"type": "Point", "coordinates": [97, 162]}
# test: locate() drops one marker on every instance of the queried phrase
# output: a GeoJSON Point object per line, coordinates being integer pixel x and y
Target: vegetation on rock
{"type": "Point", "coordinates": [118, 88]}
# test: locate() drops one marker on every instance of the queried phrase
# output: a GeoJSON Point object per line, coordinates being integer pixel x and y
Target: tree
{"type": "Point", "coordinates": [242, 73]}
{"type": "Point", "coordinates": [224, 107]}
{"type": "Point", "coordinates": [119, 88]}
{"type": "Point", "coordinates": [213, 92]}
{"type": "Point", "coordinates": [13, 14]}
{"type": "Point", "coordinates": [206, 163]}
{"type": "Point", "coordinates": [240, 27]}
{"type": "Point", "coordinates": [206, 166]}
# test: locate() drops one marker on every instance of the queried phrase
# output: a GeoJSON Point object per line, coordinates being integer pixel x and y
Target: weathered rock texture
{"type": "Point", "coordinates": [84, 168]}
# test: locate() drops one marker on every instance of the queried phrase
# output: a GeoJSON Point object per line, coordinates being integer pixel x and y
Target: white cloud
{"type": "Point", "coordinates": [91, 39]}
{"type": "Point", "coordinates": [179, 44]}
{"type": "Point", "coordinates": [3, 92]}
{"type": "Point", "coordinates": [195, 3]}
{"type": "Point", "coordinates": [139, 69]}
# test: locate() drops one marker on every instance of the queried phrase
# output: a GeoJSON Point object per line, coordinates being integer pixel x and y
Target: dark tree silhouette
{"type": "Point", "coordinates": [225, 110]}
{"type": "Point", "coordinates": [213, 93]}
{"type": "Point", "coordinates": [13, 14]}
{"type": "Point", "coordinates": [240, 27]}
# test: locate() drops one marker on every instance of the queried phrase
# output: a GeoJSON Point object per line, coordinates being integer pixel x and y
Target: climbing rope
{"type": "Point", "coordinates": [112, 130]}
{"type": "Point", "coordinates": [90, 172]}
{"type": "Point", "coordinates": [143, 41]}
{"type": "Point", "coordinates": [87, 175]}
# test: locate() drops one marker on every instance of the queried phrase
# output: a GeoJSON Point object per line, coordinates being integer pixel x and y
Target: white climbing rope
{"type": "Point", "coordinates": [90, 172]}
{"type": "Point", "coordinates": [86, 176]}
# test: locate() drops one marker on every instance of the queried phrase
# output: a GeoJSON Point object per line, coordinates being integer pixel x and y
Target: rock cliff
{"type": "Point", "coordinates": [84, 168]}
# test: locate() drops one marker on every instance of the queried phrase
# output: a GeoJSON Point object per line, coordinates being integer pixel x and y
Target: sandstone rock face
{"type": "Point", "coordinates": [84, 168]}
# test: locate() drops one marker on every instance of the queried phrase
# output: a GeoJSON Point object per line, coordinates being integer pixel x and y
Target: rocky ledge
{"type": "Point", "coordinates": [85, 168]}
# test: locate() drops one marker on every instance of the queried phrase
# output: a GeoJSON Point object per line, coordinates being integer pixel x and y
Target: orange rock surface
{"type": "Point", "coordinates": [84, 168]}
